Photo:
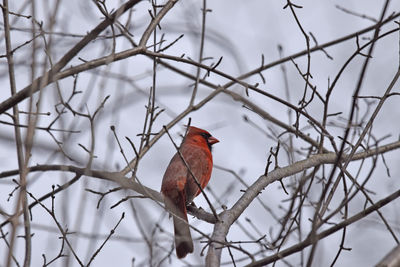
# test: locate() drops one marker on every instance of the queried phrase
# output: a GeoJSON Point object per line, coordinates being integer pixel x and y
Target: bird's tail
{"type": "Point", "coordinates": [183, 239]}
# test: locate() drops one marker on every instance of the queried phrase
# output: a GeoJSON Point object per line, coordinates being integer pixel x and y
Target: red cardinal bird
{"type": "Point", "coordinates": [179, 187]}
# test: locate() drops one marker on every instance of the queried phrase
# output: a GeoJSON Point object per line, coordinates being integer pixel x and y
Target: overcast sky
{"type": "Point", "coordinates": [240, 32]}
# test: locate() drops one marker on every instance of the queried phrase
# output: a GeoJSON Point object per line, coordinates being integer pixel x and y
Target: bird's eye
{"type": "Point", "coordinates": [206, 135]}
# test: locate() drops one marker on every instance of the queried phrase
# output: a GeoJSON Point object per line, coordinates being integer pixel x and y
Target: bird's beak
{"type": "Point", "coordinates": [212, 140]}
